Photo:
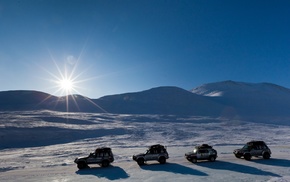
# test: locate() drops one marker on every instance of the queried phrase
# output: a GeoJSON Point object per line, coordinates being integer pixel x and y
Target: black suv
{"type": "Point", "coordinates": [202, 152]}
{"type": "Point", "coordinates": [102, 156]}
{"type": "Point", "coordinates": [253, 148]}
{"type": "Point", "coordinates": [155, 152]}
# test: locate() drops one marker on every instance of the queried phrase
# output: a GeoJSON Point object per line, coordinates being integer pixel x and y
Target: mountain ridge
{"type": "Point", "coordinates": [229, 99]}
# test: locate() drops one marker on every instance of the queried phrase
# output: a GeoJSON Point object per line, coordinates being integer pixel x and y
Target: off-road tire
{"type": "Point", "coordinates": [266, 155]}
{"type": "Point", "coordinates": [211, 158]}
{"type": "Point", "coordinates": [194, 160]}
{"type": "Point", "coordinates": [162, 160]}
{"type": "Point", "coordinates": [140, 161]}
{"type": "Point", "coordinates": [238, 156]}
{"type": "Point", "coordinates": [82, 165]}
{"type": "Point", "coordinates": [189, 159]}
{"type": "Point", "coordinates": [247, 156]}
{"type": "Point", "coordinates": [105, 163]}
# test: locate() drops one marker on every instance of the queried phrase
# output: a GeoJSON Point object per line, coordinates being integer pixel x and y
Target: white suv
{"type": "Point", "coordinates": [202, 152]}
{"type": "Point", "coordinates": [155, 152]}
{"type": "Point", "coordinates": [102, 156]}
{"type": "Point", "coordinates": [253, 148]}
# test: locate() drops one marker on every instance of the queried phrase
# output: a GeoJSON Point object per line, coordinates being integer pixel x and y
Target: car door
{"type": "Point", "coordinates": [204, 154]}
{"type": "Point", "coordinates": [93, 158]}
{"type": "Point", "coordinates": [256, 150]}
{"type": "Point", "coordinates": [199, 154]}
{"type": "Point", "coordinates": [151, 155]}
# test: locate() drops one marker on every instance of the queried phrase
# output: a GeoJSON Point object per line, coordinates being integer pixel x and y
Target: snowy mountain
{"type": "Point", "coordinates": [161, 100]}
{"type": "Point", "coordinates": [241, 89]}
{"type": "Point", "coordinates": [261, 102]}
{"type": "Point", "coordinates": [21, 100]}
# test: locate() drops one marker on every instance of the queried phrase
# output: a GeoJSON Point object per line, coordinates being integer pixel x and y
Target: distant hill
{"type": "Point", "coordinates": [161, 100]}
{"type": "Point", "coordinates": [24, 100]}
{"type": "Point", "coordinates": [228, 99]}
{"type": "Point", "coordinates": [261, 101]}
{"type": "Point", "coordinates": [35, 100]}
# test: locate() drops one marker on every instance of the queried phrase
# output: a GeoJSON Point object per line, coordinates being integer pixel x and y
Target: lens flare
{"type": "Point", "coordinates": [66, 81]}
{"type": "Point", "coordinates": [66, 85]}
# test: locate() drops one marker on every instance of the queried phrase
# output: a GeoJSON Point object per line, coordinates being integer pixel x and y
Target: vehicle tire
{"type": "Point", "coordinates": [162, 160]}
{"type": "Point", "coordinates": [211, 158]}
{"type": "Point", "coordinates": [238, 156]}
{"type": "Point", "coordinates": [194, 160]}
{"type": "Point", "coordinates": [105, 163]}
{"type": "Point", "coordinates": [266, 155]}
{"type": "Point", "coordinates": [189, 159]}
{"type": "Point", "coordinates": [82, 165]}
{"type": "Point", "coordinates": [248, 156]}
{"type": "Point", "coordinates": [140, 161]}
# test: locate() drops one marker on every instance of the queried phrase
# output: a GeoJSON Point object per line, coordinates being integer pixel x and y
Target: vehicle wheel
{"type": "Point", "coordinates": [189, 159]}
{"type": "Point", "coordinates": [105, 163]}
{"type": "Point", "coordinates": [211, 158]}
{"type": "Point", "coordinates": [248, 157]}
{"type": "Point", "coordinates": [162, 160]}
{"type": "Point", "coordinates": [194, 160]}
{"type": "Point", "coordinates": [266, 155]}
{"type": "Point", "coordinates": [238, 156]}
{"type": "Point", "coordinates": [140, 161]}
{"type": "Point", "coordinates": [82, 165]}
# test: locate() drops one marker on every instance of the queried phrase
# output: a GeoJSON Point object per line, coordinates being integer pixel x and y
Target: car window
{"type": "Point", "coordinates": [246, 147]}
{"type": "Point", "coordinates": [203, 151]}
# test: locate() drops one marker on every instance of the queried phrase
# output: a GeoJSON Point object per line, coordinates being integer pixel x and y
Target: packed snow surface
{"type": "Point", "coordinates": [42, 145]}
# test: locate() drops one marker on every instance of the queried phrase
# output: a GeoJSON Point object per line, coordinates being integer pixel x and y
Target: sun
{"type": "Point", "coordinates": [67, 82]}
{"type": "Point", "coordinates": [66, 85]}
{"type": "Point", "coordinates": [65, 79]}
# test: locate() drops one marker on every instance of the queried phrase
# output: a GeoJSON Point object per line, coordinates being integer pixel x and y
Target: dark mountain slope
{"type": "Point", "coordinates": [24, 100]}
{"type": "Point", "coordinates": [161, 100]}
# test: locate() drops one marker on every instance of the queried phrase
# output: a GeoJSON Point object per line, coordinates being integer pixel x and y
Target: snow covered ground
{"type": "Point", "coordinates": [41, 146]}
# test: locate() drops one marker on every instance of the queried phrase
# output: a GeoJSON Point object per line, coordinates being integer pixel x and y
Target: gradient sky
{"type": "Point", "coordinates": [119, 46]}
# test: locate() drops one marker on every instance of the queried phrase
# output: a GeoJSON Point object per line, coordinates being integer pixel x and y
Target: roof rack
{"type": "Point", "coordinates": [103, 149]}
{"type": "Point", "coordinates": [156, 146]}
{"type": "Point", "coordinates": [204, 146]}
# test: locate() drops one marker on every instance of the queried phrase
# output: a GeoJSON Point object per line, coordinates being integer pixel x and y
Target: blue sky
{"type": "Point", "coordinates": [119, 46]}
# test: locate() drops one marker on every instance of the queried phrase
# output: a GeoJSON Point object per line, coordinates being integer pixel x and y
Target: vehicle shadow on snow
{"type": "Point", "coordinates": [273, 162]}
{"type": "Point", "coordinates": [223, 165]}
{"type": "Point", "coordinates": [173, 168]}
{"type": "Point", "coordinates": [111, 172]}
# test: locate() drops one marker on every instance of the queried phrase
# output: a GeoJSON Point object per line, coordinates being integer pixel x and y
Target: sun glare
{"type": "Point", "coordinates": [66, 81]}
{"type": "Point", "coordinates": [66, 85]}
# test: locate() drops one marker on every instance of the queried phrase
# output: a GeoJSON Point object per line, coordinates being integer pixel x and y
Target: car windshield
{"type": "Point", "coordinates": [246, 147]}
{"type": "Point", "coordinates": [194, 151]}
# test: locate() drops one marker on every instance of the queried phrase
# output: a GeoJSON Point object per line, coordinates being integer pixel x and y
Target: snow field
{"type": "Point", "coordinates": [51, 157]}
